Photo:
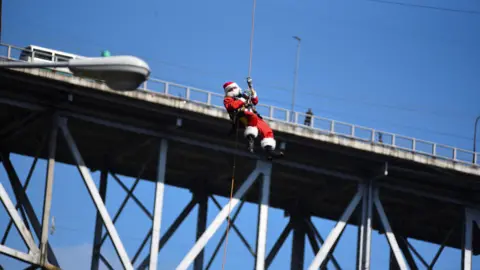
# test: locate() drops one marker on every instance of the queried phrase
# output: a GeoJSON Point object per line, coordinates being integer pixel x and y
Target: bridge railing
{"type": "Point", "coordinates": [317, 124]}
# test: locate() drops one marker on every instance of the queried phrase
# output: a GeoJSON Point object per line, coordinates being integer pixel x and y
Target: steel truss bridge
{"type": "Point", "coordinates": [417, 191]}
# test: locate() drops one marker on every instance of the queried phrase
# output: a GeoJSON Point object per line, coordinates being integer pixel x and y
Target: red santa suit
{"type": "Point", "coordinates": [254, 125]}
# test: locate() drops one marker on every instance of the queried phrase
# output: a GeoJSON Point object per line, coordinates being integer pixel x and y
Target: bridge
{"type": "Point", "coordinates": [332, 170]}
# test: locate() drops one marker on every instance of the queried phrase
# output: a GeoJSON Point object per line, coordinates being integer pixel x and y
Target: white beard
{"type": "Point", "coordinates": [234, 93]}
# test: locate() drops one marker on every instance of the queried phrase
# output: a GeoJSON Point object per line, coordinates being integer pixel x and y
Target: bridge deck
{"type": "Point", "coordinates": [121, 131]}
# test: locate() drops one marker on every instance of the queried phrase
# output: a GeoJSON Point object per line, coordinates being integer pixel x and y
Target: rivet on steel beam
{"type": "Point", "coordinates": [283, 145]}
{"type": "Point", "coordinates": [179, 122]}
{"type": "Point", "coordinates": [386, 168]}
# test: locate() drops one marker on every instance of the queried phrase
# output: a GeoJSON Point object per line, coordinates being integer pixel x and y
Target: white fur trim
{"type": "Point", "coordinates": [250, 130]}
{"type": "Point", "coordinates": [231, 86]}
{"type": "Point", "coordinates": [268, 142]}
{"type": "Point", "coordinates": [234, 92]}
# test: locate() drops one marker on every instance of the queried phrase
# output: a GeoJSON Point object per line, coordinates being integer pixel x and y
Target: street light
{"type": "Point", "coordinates": [119, 72]}
{"type": "Point", "coordinates": [475, 139]}
{"type": "Point", "coordinates": [295, 77]}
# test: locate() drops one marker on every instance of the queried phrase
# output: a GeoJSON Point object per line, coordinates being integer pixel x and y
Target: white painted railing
{"type": "Point", "coordinates": [323, 125]}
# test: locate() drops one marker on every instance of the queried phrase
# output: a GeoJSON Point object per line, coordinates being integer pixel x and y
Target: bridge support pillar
{"type": "Point", "coordinates": [202, 198]}
{"type": "Point", "coordinates": [266, 170]}
{"type": "Point", "coordinates": [47, 200]}
{"type": "Point", "coordinates": [365, 228]}
{"type": "Point", "coordinates": [471, 217]}
{"type": "Point", "coordinates": [158, 205]}
{"type": "Point", "coordinates": [298, 242]}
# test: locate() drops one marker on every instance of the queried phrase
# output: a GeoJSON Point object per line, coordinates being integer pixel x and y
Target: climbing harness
{"type": "Point", "coordinates": [232, 184]}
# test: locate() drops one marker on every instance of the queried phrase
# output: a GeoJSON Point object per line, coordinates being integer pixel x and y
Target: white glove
{"type": "Point", "coordinates": [243, 100]}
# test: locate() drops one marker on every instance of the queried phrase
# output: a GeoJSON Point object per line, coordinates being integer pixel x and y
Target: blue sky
{"type": "Point", "coordinates": [406, 70]}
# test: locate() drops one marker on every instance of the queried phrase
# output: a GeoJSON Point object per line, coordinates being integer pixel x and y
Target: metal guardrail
{"type": "Point", "coordinates": [273, 113]}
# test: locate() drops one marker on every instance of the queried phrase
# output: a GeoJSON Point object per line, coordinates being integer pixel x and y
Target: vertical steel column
{"type": "Point", "coordinates": [467, 241]}
{"type": "Point", "coordinates": [47, 200]}
{"type": "Point", "coordinates": [298, 242]}
{"type": "Point", "coordinates": [201, 225]}
{"type": "Point", "coordinates": [365, 229]}
{"type": "Point", "coordinates": [92, 189]}
{"type": "Point", "coordinates": [98, 223]}
{"type": "Point", "coordinates": [157, 211]}
{"type": "Point", "coordinates": [361, 231]}
{"type": "Point", "coordinates": [266, 170]}
{"type": "Point", "coordinates": [170, 231]}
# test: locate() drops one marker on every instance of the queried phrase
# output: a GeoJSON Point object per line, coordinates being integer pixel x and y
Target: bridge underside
{"type": "Point", "coordinates": [115, 133]}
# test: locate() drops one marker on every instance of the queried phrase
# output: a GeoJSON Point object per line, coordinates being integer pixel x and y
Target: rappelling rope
{"type": "Point", "coordinates": [232, 184]}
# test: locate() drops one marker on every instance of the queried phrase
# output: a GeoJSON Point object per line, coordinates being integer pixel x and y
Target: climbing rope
{"type": "Point", "coordinates": [232, 184]}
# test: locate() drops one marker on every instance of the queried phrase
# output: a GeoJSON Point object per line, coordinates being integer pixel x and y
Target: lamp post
{"type": "Point", "coordinates": [295, 77]}
{"type": "Point", "coordinates": [121, 73]}
{"type": "Point", "coordinates": [475, 139]}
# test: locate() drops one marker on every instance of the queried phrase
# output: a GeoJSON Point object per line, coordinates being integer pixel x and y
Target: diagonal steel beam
{"type": "Point", "coordinates": [127, 197]}
{"type": "Point", "coordinates": [332, 238]}
{"type": "Point", "coordinates": [318, 236]}
{"type": "Point", "coordinates": [142, 245]}
{"type": "Point", "coordinates": [22, 229]}
{"type": "Point", "coordinates": [134, 198]}
{"type": "Point", "coordinates": [22, 197]}
{"type": "Point", "coordinates": [105, 261]}
{"type": "Point", "coordinates": [414, 250]}
{"type": "Point", "coordinates": [28, 258]}
{"type": "Point", "coordinates": [437, 255]}
{"type": "Point", "coordinates": [95, 263]}
{"type": "Point", "coordinates": [389, 233]}
{"type": "Point", "coordinates": [25, 186]}
{"type": "Point", "coordinates": [202, 241]}
{"type": "Point", "coordinates": [217, 248]}
{"type": "Point", "coordinates": [90, 184]}
{"type": "Point", "coordinates": [402, 243]}
{"type": "Point", "coordinates": [235, 228]}
{"type": "Point", "coordinates": [278, 244]}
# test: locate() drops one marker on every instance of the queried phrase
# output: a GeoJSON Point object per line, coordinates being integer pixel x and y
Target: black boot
{"type": "Point", "coordinates": [272, 153]}
{"type": "Point", "coordinates": [251, 143]}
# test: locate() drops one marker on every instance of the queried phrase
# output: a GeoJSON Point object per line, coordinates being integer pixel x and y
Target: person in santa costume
{"type": "Point", "coordinates": [237, 105]}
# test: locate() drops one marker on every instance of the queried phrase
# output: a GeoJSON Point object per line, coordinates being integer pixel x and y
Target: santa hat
{"type": "Point", "coordinates": [229, 85]}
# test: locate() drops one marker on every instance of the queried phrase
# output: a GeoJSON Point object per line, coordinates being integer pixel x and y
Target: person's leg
{"type": "Point", "coordinates": [268, 141]}
{"type": "Point", "coordinates": [267, 135]}
{"type": "Point", "coordinates": [251, 129]}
